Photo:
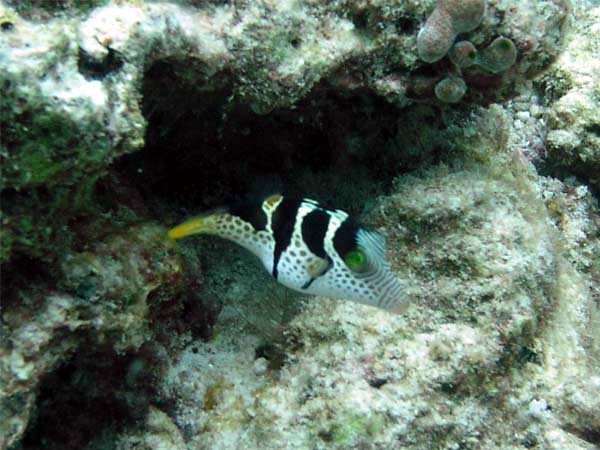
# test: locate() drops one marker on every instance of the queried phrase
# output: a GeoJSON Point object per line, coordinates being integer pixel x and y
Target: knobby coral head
{"type": "Point", "coordinates": [448, 19]}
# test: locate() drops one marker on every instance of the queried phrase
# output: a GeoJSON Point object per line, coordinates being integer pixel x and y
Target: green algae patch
{"type": "Point", "coordinates": [37, 141]}
{"type": "Point", "coordinates": [33, 8]}
{"type": "Point", "coordinates": [50, 166]}
{"type": "Point", "coordinates": [356, 428]}
{"type": "Point", "coordinates": [41, 147]}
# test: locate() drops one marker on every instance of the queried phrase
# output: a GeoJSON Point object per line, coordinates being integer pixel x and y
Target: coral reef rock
{"type": "Point", "coordinates": [71, 76]}
{"type": "Point", "coordinates": [480, 360]}
{"type": "Point", "coordinates": [105, 300]}
{"type": "Point", "coordinates": [119, 118]}
{"type": "Point", "coordinates": [572, 88]}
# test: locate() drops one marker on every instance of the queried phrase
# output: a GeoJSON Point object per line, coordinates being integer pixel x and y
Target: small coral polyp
{"type": "Point", "coordinates": [496, 58]}
{"type": "Point", "coordinates": [451, 89]}
{"type": "Point", "coordinates": [449, 18]}
{"type": "Point", "coordinates": [499, 56]}
{"type": "Point", "coordinates": [463, 54]}
{"type": "Point", "coordinates": [437, 39]}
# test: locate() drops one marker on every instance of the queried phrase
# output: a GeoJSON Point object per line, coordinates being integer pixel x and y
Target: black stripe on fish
{"type": "Point", "coordinates": [314, 228]}
{"type": "Point", "coordinates": [344, 239]}
{"type": "Point", "coordinates": [250, 211]}
{"type": "Point", "coordinates": [282, 224]}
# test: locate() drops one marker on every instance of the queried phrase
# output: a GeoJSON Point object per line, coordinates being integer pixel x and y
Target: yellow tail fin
{"type": "Point", "coordinates": [194, 225]}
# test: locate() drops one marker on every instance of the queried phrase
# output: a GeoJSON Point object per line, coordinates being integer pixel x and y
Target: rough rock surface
{"type": "Point", "coordinates": [481, 359]}
{"type": "Point", "coordinates": [104, 301]}
{"type": "Point", "coordinates": [572, 88]}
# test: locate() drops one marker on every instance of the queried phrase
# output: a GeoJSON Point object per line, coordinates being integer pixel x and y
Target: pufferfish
{"type": "Point", "coordinates": [307, 248]}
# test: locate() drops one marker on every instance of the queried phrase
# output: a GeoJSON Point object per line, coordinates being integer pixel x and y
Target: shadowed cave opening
{"type": "Point", "coordinates": [204, 150]}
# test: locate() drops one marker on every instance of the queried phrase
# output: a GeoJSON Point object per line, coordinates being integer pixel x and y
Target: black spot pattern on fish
{"type": "Point", "coordinates": [314, 228]}
{"type": "Point", "coordinates": [282, 224]}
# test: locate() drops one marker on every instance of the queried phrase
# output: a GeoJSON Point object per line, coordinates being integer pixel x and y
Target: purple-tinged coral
{"type": "Point", "coordinates": [449, 18]}
{"type": "Point", "coordinates": [463, 54]}
{"type": "Point", "coordinates": [436, 37]}
{"type": "Point", "coordinates": [466, 14]}
{"type": "Point", "coordinates": [499, 56]}
{"type": "Point", "coordinates": [451, 89]}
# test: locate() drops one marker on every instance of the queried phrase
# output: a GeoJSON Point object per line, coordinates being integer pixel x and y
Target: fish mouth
{"type": "Point", "coordinates": [187, 228]}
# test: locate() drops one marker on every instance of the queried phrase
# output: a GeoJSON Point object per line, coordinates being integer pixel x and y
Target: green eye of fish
{"type": "Point", "coordinates": [356, 260]}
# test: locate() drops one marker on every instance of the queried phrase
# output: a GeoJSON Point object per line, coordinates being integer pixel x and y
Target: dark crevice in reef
{"type": "Point", "coordinates": [81, 400]}
{"type": "Point", "coordinates": [562, 171]}
{"type": "Point", "coordinates": [92, 69]}
{"type": "Point", "coordinates": [203, 151]}
{"type": "Point", "coordinates": [588, 435]}
{"type": "Point", "coordinates": [97, 394]}
{"type": "Point", "coordinates": [94, 395]}
{"type": "Point", "coordinates": [22, 274]}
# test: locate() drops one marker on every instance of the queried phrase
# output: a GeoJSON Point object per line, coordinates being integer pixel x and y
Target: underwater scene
{"type": "Point", "coordinates": [300, 224]}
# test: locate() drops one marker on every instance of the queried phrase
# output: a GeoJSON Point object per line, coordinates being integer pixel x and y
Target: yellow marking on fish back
{"type": "Point", "coordinates": [272, 200]}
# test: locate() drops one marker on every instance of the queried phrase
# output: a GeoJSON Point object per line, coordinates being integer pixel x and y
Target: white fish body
{"type": "Point", "coordinates": [308, 248]}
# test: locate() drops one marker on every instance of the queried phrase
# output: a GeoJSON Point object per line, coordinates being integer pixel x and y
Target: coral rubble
{"type": "Point", "coordinates": [105, 299]}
